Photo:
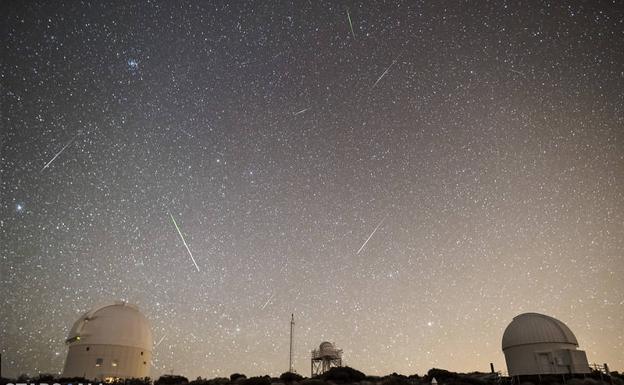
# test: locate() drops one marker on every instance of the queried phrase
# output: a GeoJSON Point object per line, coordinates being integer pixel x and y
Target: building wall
{"type": "Point", "coordinates": [577, 359]}
{"type": "Point", "coordinates": [544, 358]}
{"type": "Point", "coordinates": [131, 362]}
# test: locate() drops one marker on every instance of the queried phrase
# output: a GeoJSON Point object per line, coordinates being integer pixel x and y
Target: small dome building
{"type": "Point", "coordinates": [327, 349]}
{"type": "Point", "coordinates": [109, 342]}
{"type": "Point", "coordinates": [536, 344]}
{"type": "Point", "coordinates": [327, 356]}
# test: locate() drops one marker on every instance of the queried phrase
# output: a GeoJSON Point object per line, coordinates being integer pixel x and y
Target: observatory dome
{"type": "Point", "coordinates": [117, 323]}
{"type": "Point", "coordinates": [109, 342]}
{"type": "Point", "coordinates": [531, 328]}
{"type": "Point", "coordinates": [536, 344]}
{"type": "Point", "coordinates": [327, 356]}
{"type": "Point", "coordinates": [326, 345]}
{"type": "Point", "coordinates": [327, 349]}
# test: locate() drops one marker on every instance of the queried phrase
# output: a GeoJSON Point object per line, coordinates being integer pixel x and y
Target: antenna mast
{"type": "Point", "coordinates": [290, 358]}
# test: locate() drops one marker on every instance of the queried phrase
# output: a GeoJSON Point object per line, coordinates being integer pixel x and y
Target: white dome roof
{"type": "Point", "coordinates": [117, 323]}
{"type": "Point", "coordinates": [326, 345]}
{"type": "Point", "coordinates": [531, 328]}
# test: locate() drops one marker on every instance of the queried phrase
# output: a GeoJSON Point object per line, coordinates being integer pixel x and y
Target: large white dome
{"type": "Point", "coordinates": [534, 328]}
{"type": "Point", "coordinates": [117, 323]}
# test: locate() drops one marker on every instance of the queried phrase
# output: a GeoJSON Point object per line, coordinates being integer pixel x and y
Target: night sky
{"type": "Point", "coordinates": [479, 143]}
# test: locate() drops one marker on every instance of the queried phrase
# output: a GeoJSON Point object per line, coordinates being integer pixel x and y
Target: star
{"type": "Point", "coordinates": [133, 64]}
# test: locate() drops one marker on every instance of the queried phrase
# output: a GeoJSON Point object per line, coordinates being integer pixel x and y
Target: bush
{"type": "Point", "coordinates": [395, 379]}
{"type": "Point", "coordinates": [136, 381]}
{"type": "Point", "coordinates": [171, 379]}
{"type": "Point", "coordinates": [266, 380]}
{"type": "Point", "coordinates": [312, 381]}
{"type": "Point", "coordinates": [218, 381]}
{"type": "Point", "coordinates": [237, 377]}
{"type": "Point", "coordinates": [343, 375]}
{"type": "Point", "coordinates": [289, 377]}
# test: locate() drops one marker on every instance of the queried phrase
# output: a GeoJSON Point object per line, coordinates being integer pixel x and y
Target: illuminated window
{"type": "Point", "coordinates": [99, 361]}
{"type": "Point", "coordinates": [114, 363]}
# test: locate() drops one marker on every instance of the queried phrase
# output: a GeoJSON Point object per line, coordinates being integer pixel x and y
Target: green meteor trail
{"type": "Point", "coordinates": [184, 241]}
{"type": "Point", "coordinates": [350, 23]}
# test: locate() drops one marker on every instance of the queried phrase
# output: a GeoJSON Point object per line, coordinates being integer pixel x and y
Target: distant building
{"type": "Point", "coordinates": [109, 342]}
{"type": "Point", "coordinates": [536, 344]}
{"type": "Point", "coordinates": [327, 356]}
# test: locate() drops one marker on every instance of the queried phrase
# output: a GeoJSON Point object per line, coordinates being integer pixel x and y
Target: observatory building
{"type": "Point", "coordinates": [327, 356]}
{"type": "Point", "coordinates": [536, 344]}
{"type": "Point", "coordinates": [109, 342]}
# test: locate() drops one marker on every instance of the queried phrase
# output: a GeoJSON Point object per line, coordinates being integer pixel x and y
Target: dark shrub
{"type": "Point", "coordinates": [171, 379]}
{"type": "Point", "coordinates": [218, 381]}
{"type": "Point", "coordinates": [199, 381]}
{"type": "Point", "coordinates": [343, 375]}
{"type": "Point", "coordinates": [289, 377]}
{"type": "Point", "coordinates": [395, 379]}
{"type": "Point", "coordinates": [266, 380]}
{"type": "Point", "coordinates": [237, 377]}
{"type": "Point", "coordinates": [312, 381]}
{"type": "Point", "coordinates": [136, 381]}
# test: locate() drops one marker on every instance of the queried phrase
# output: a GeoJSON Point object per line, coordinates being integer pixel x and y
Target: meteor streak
{"type": "Point", "coordinates": [371, 235]}
{"type": "Point", "coordinates": [301, 112]}
{"type": "Point", "coordinates": [159, 341]}
{"type": "Point", "coordinates": [58, 153]}
{"type": "Point", "coordinates": [350, 24]}
{"type": "Point", "coordinates": [184, 241]}
{"type": "Point", "coordinates": [268, 300]}
{"type": "Point", "coordinates": [385, 72]}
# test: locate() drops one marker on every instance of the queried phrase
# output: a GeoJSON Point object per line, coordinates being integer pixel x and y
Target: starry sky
{"type": "Point", "coordinates": [405, 177]}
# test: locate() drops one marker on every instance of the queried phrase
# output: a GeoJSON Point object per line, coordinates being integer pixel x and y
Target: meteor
{"type": "Point", "coordinates": [161, 340]}
{"type": "Point", "coordinates": [268, 300]}
{"type": "Point", "coordinates": [301, 112]}
{"type": "Point", "coordinates": [350, 24]}
{"type": "Point", "coordinates": [371, 235]}
{"type": "Point", "coordinates": [385, 72]}
{"type": "Point", "coordinates": [58, 153]}
{"type": "Point", "coordinates": [184, 241]}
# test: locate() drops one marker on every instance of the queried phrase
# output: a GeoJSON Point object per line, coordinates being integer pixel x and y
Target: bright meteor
{"type": "Point", "coordinates": [350, 23]}
{"type": "Point", "coordinates": [371, 235]}
{"type": "Point", "coordinates": [268, 300]}
{"type": "Point", "coordinates": [301, 112]}
{"type": "Point", "coordinates": [184, 241]}
{"type": "Point", "coordinates": [385, 72]}
{"type": "Point", "coordinates": [161, 340]}
{"type": "Point", "coordinates": [58, 153]}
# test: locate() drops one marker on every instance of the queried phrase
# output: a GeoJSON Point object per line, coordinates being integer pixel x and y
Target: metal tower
{"type": "Point", "coordinates": [290, 358]}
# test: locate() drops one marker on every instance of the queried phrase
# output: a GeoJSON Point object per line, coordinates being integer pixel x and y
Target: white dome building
{"type": "Point", "coordinates": [109, 342]}
{"type": "Point", "coordinates": [327, 356]}
{"type": "Point", "coordinates": [327, 349]}
{"type": "Point", "coordinates": [536, 344]}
